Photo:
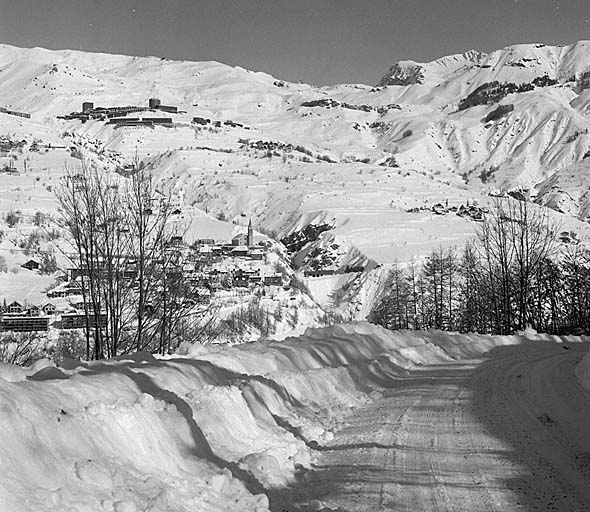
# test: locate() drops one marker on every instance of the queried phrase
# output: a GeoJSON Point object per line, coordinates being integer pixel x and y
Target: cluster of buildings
{"type": "Point", "coordinates": [217, 124]}
{"type": "Point", "coordinates": [118, 116]}
{"type": "Point", "coordinates": [471, 211]}
{"type": "Point", "coordinates": [17, 317]}
{"type": "Point", "coordinates": [214, 266]}
{"type": "Point", "coordinates": [208, 266]}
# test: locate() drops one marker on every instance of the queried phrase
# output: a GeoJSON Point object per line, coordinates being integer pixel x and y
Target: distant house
{"type": "Point", "coordinates": [49, 309]}
{"type": "Point", "coordinates": [273, 280]}
{"type": "Point", "coordinates": [240, 282]}
{"type": "Point", "coordinates": [31, 265]}
{"type": "Point", "coordinates": [34, 311]}
{"type": "Point", "coordinates": [15, 308]}
{"type": "Point", "coordinates": [226, 249]}
{"type": "Point", "coordinates": [256, 254]}
{"type": "Point", "coordinates": [240, 239]}
{"type": "Point", "coordinates": [240, 250]}
{"type": "Point", "coordinates": [176, 241]}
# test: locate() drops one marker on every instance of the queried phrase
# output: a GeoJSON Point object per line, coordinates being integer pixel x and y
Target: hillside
{"type": "Point", "coordinates": [367, 161]}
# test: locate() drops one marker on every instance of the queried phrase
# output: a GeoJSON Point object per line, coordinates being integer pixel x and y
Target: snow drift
{"type": "Point", "coordinates": [212, 428]}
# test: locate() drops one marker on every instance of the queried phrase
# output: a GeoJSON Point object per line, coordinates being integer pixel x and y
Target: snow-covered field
{"type": "Point", "coordinates": [220, 428]}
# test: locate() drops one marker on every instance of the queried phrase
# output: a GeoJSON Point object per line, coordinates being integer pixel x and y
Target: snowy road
{"type": "Point", "coordinates": [510, 431]}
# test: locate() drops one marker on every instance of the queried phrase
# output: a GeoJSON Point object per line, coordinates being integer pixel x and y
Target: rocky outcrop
{"type": "Point", "coordinates": [403, 74]}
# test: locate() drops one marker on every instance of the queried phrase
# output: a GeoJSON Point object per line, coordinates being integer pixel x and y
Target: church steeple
{"type": "Point", "coordinates": [250, 238]}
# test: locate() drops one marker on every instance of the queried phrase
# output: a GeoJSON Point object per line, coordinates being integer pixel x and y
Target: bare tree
{"type": "Point", "coordinates": [135, 293]}
{"type": "Point", "coordinates": [514, 240]}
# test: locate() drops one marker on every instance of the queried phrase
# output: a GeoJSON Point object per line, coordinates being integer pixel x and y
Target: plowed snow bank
{"type": "Point", "coordinates": [208, 429]}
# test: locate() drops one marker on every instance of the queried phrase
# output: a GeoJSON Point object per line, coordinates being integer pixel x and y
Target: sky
{"type": "Point", "coordinates": [314, 41]}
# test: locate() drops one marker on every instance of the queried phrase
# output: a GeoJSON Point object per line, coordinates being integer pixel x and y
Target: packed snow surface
{"type": "Point", "coordinates": [228, 428]}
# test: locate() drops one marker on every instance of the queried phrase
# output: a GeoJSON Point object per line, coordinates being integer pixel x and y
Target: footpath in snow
{"type": "Point", "coordinates": [349, 416]}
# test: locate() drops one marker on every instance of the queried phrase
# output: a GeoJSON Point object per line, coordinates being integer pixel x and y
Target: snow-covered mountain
{"type": "Point", "coordinates": [354, 157]}
{"type": "Point", "coordinates": [422, 114]}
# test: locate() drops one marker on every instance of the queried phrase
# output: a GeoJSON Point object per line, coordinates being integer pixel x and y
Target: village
{"type": "Point", "coordinates": [213, 269]}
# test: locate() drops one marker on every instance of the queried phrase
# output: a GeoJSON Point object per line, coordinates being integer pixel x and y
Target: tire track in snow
{"type": "Point", "coordinates": [510, 432]}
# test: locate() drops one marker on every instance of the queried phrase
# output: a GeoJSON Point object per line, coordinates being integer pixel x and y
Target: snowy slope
{"type": "Point", "coordinates": [354, 156]}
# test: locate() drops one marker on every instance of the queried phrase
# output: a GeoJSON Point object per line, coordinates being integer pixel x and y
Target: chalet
{"type": "Point", "coordinates": [15, 308]}
{"type": "Point", "coordinates": [439, 209]}
{"type": "Point", "coordinates": [240, 282]}
{"type": "Point", "coordinates": [31, 265]}
{"type": "Point", "coordinates": [49, 309]}
{"type": "Point", "coordinates": [65, 290]}
{"type": "Point", "coordinates": [34, 311]}
{"type": "Point", "coordinates": [25, 323]}
{"type": "Point", "coordinates": [240, 250]}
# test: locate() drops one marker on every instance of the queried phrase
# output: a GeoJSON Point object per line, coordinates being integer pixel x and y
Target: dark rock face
{"type": "Point", "coordinates": [299, 239]}
{"type": "Point", "coordinates": [403, 75]}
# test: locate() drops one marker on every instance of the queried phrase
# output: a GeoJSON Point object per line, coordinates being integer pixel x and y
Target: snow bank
{"type": "Point", "coordinates": [583, 371]}
{"type": "Point", "coordinates": [207, 429]}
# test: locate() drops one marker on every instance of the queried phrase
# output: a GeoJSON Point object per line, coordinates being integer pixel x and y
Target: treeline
{"type": "Point", "coordinates": [511, 275]}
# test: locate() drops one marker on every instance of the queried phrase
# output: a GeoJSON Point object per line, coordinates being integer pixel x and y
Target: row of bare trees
{"type": "Point", "coordinates": [511, 275]}
{"type": "Point", "coordinates": [135, 297]}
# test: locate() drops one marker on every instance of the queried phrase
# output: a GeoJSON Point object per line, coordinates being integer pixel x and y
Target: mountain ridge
{"type": "Point", "coordinates": [446, 136]}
